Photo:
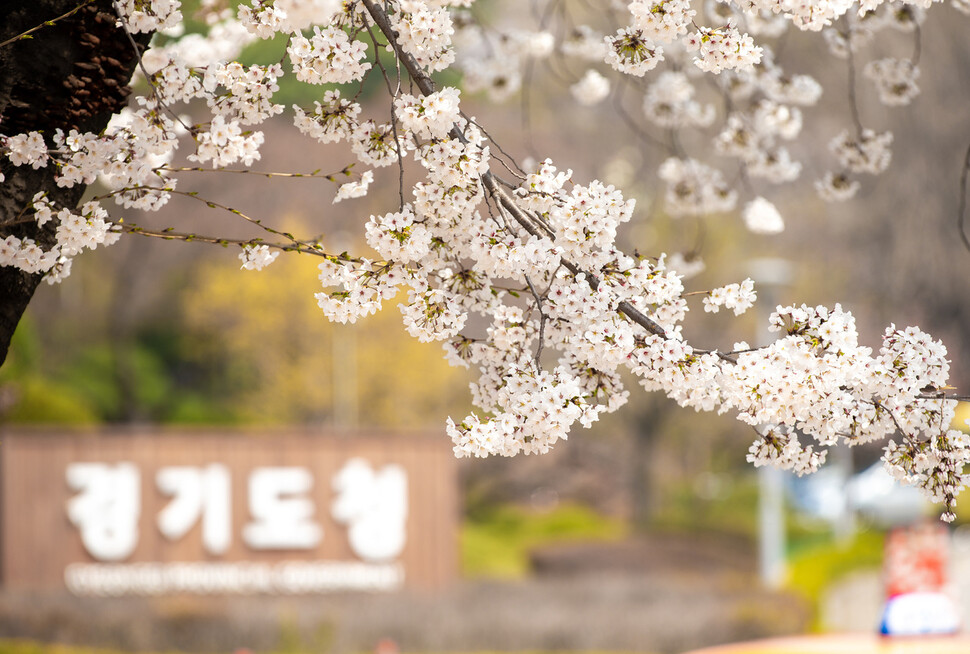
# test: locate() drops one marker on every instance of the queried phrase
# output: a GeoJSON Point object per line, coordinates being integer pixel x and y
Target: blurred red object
{"type": "Point", "coordinates": [386, 646]}
{"type": "Point", "coordinates": [916, 560]}
{"type": "Point", "coordinates": [915, 570]}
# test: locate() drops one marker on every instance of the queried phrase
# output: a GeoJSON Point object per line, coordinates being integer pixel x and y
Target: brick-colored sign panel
{"type": "Point", "coordinates": [217, 513]}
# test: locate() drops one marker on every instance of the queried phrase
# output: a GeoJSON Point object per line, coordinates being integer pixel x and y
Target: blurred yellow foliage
{"type": "Point", "coordinates": [285, 363]}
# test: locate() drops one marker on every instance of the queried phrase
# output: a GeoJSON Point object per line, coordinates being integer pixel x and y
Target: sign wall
{"type": "Point", "coordinates": [167, 513]}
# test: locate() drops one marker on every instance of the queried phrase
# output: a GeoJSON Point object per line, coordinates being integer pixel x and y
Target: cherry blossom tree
{"type": "Point", "coordinates": [562, 317]}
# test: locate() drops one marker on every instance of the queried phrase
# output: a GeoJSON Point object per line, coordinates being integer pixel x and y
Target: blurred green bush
{"type": "Point", "coordinates": [816, 568]}
{"type": "Point", "coordinates": [496, 541]}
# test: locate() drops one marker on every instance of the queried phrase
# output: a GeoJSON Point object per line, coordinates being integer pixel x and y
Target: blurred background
{"type": "Point", "coordinates": [639, 534]}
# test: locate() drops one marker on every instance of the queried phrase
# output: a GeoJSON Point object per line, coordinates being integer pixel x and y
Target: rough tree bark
{"type": "Point", "coordinates": [72, 74]}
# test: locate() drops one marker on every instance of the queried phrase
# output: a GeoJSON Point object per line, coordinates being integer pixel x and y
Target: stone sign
{"type": "Point", "coordinates": [201, 513]}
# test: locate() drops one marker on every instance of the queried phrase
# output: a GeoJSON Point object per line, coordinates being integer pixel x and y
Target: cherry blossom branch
{"type": "Point", "coordinates": [330, 177]}
{"type": "Point", "coordinates": [881, 407]}
{"type": "Point", "coordinates": [46, 23]}
{"type": "Point", "coordinates": [520, 216]}
{"type": "Point", "coordinates": [520, 173]}
{"type": "Point", "coordinates": [379, 15]}
{"type": "Point", "coordinates": [393, 93]}
{"type": "Point", "coordinates": [727, 357]}
{"type": "Point", "coordinates": [170, 234]}
{"type": "Point", "coordinates": [20, 218]}
{"type": "Point", "coordinates": [942, 395]}
{"type": "Point", "coordinates": [426, 85]}
{"type": "Point", "coordinates": [471, 222]}
{"type": "Point", "coordinates": [212, 205]}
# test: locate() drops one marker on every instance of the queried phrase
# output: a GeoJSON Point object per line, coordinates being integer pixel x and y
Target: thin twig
{"type": "Point", "coordinates": [46, 23]}
{"type": "Point", "coordinates": [20, 218]}
{"type": "Point", "coordinates": [212, 205]}
{"type": "Point", "coordinates": [521, 173]}
{"type": "Point", "coordinates": [393, 93]}
{"type": "Point", "coordinates": [330, 177]}
{"type": "Point", "coordinates": [879, 405]}
{"type": "Point", "coordinates": [853, 104]}
{"type": "Point", "coordinates": [628, 119]}
{"type": "Point", "coordinates": [961, 212]}
{"type": "Point", "coordinates": [542, 322]}
{"type": "Point", "coordinates": [525, 110]}
{"type": "Point", "coordinates": [172, 235]}
{"type": "Point", "coordinates": [699, 238]}
{"type": "Point", "coordinates": [917, 43]}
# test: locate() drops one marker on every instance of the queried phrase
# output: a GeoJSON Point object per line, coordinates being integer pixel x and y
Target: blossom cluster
{"type": "Point", "coordinates": [632, 53]}
{"type": "Point", "coordinates": [737, 297]}
{"type": "Point", "coordinates": [142, 16]}
{"type": "Point", "coordinates": [265, 18]}
{"type": "Point", "coordinates": [355, 189]}
{"type": "Point", "coordinates": [431, 116]}
{"type": "Point", "coordinates": [225, 143]}
{"type": "Point", "coordinates": [328, 57]}
{"type": "Point", "coordinates": [753, 137]}
{"type": "Point", "coordinates": [591, 89]}
{"type": "Point", "coordinates": [257, 257]}
{"type": "Point", "coordinates": [669, 102]}
{"type": "Point", "coordinates": [425, 33]}
{"type": "Point", "coordinates": [723, 48]}
{"type": "Point", "coordinates": [397, 237]}
{"type": "Point", "coordinates": [26, 150]}
{"type": "Point", "coordinates": [694, 188]}
{"type": "Point", "coordinates": [332, 121]}
{"type": "Point", "coordinates": [895, 79]}
{"type": "Point", "coordinates": [76, 231]}
{"type": "Point", "coordinates": [248, 92]}
{"type": "Point", "coordinates": [662, 21]}
{"type": "Point", "coordinates": [866, 153]}
{"type": "Point", "coordinates": [495, 65]}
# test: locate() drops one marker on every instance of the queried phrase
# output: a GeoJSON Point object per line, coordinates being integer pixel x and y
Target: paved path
{"type": "Point", "coordinates": [846, 644]}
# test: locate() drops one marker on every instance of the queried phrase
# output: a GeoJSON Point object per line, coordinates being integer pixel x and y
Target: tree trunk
{"type": "Point", "coordinates": [69, 75]}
